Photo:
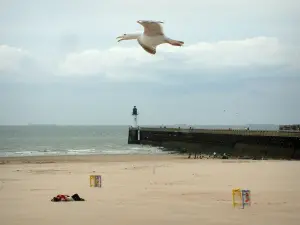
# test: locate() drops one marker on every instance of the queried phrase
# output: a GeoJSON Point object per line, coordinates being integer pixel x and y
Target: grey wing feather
{"type": "Point", "coordinates": [151, 50]}
{"type": "Point", "coordinates": [152, 28]}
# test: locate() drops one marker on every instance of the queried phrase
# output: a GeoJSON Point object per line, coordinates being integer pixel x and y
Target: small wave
{"type": "Point", "coordinates": [137, 148]}
{"type": "Point", "coordinates": [117, 152]}
{"type": "Point", "coordinates": [86, 151]}
{"type": "Point", "coordinates": [28, 153]}
{"type": "Point", "coordinates": [146, 149]}
{"type": "Point", "coordinates": [82, 150]}
{"type": "Point", "coordinates": [128, 152]}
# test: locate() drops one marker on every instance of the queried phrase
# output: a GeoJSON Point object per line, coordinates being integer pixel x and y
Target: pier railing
{"type": "Point", "coordinates": [226, 131]}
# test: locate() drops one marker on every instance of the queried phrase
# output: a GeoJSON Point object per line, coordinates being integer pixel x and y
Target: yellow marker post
{"type": "Point", "coordinates": [241, 198]}
{"type": "Point", "coordinates": [236, 197]}
{"type": "Point", "coordinates": [95, 181]}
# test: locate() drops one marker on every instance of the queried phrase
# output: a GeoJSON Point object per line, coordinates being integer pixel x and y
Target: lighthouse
{"type": "Point", "coordinates": [134, 131]}
{"type": "Point", "coordinates": [135, 115]}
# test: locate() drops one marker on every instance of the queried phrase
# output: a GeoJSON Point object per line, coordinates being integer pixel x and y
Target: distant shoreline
{"type": "Point", "coordinates": [89, 158]}
{"type": "Point", "coordinates": [117, 158]}
{"type": "Point", "coordinates": [92, 154]}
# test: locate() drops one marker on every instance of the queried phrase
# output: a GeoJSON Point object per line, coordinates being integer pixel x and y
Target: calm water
{"type": "Point", "coordinates": [68, 140]}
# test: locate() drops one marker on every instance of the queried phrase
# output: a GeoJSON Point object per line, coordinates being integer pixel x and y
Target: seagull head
{"type": "Point", "coordinates": [128, 37]}
{"type": "Point", "coordinates": [122, 37]}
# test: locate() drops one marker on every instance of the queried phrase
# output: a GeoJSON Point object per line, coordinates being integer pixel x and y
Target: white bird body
{"type": "Point", "coordinates": [152, 40]}
{"type": "Point", "coordinates": [152, 37]}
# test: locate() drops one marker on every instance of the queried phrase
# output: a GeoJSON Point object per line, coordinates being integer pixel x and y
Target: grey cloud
{"type": "Point", "coordinates": [173, 87]}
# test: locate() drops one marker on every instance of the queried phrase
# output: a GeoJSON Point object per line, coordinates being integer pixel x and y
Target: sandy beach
{"type": "Point", "coordinates": [147, 189]}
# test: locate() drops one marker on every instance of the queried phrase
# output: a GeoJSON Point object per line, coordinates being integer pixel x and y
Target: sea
{"type": "Point", "coordinates": [43, 140]}
{"type": "Point", "coordinates": [50, 140]}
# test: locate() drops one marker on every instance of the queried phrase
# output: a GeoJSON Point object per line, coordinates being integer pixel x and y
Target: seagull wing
{"type": "Point", "coordinates": [151, 28]}
{"type": "Point", "coordinates": [151, 50]}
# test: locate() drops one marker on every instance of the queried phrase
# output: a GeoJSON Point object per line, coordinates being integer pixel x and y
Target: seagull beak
{"type": "Point", "coordinates": [120, 38]}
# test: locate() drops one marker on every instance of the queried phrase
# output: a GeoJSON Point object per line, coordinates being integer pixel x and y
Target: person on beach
{"type": "Point", "coordinates": [66, 198]}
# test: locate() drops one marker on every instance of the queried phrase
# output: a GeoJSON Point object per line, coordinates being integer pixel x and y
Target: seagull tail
{"type": "Point", "coordinates": [174, 42]}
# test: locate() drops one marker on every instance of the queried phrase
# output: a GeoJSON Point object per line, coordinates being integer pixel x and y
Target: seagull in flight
{"type": "Point", "coordinates": [152, 36]}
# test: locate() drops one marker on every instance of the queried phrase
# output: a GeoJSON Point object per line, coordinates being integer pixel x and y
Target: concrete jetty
{"type": "Point", "coordinates": [280, 144]}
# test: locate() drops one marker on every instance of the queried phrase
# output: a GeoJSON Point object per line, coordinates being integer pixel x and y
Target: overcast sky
{"type": "Point", "coordinates": [60, 62]}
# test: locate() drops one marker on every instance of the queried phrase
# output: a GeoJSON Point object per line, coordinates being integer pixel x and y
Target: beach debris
{"type": "Point", "coordinates": [67, 198]}
{"type": "Point", "coordinates": [225, 156]}
{"type": "Point", "coordinates": [95, 181]}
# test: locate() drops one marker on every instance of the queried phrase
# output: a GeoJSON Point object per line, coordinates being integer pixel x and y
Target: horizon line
{"type": "Point", "coordinates": [159, 125]}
